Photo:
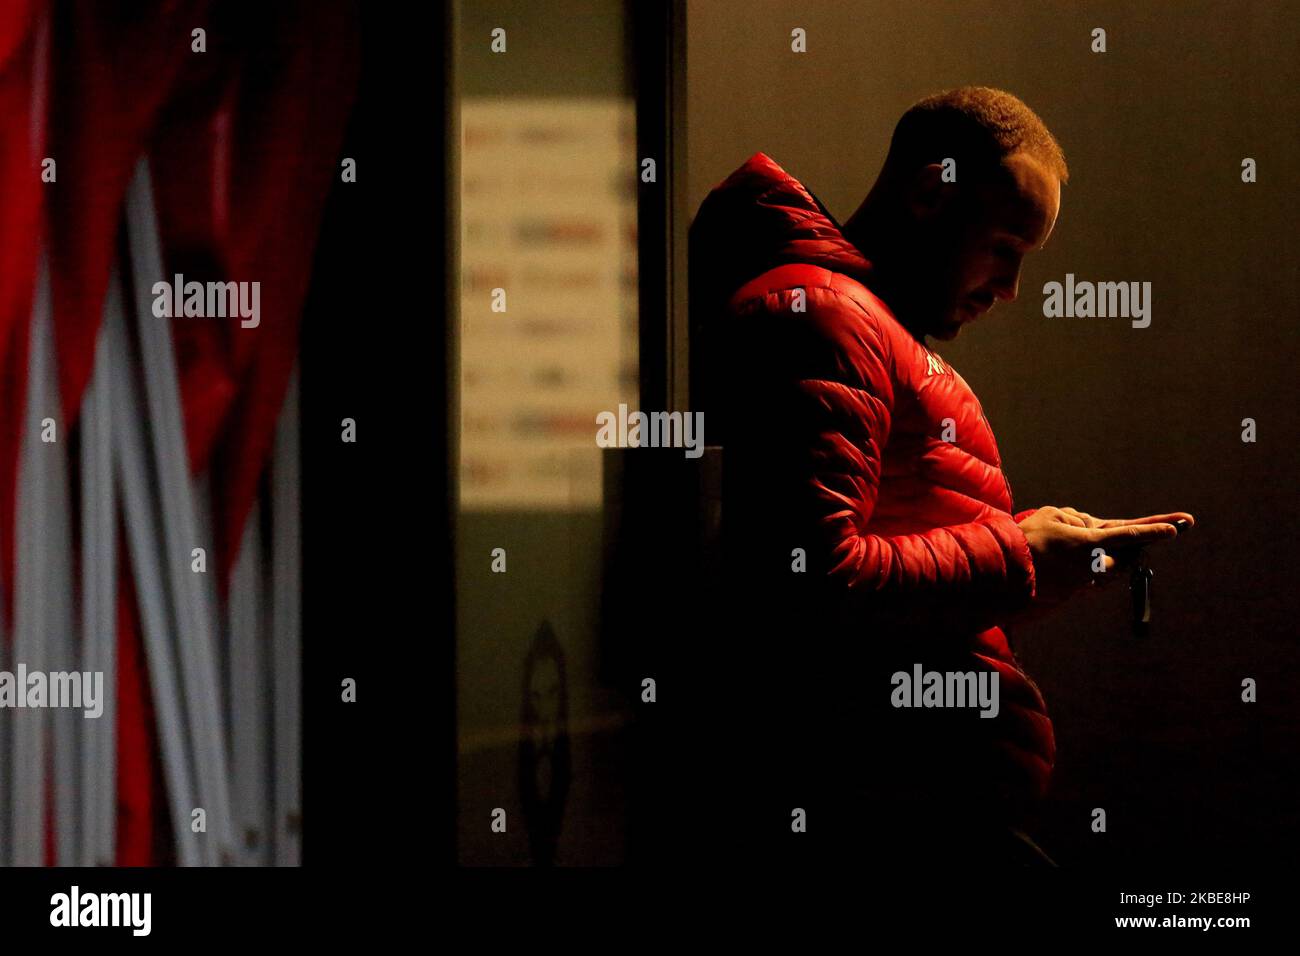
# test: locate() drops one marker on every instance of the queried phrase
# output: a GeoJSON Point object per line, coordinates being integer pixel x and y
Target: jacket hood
{"type": "Point", "coordinates": [758, 218]}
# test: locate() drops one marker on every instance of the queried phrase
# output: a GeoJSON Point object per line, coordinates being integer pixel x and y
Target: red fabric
{"type": "Point", "coordinates": [242, 169]}
{"type": "Point", "coordinates": [243, 142]}
{"type": "Point", "coordinates": [910, 535]}
{"type": "Point", "coordinates": [20, 231]}
{"type": "Point", "coordinates": [103, 104]}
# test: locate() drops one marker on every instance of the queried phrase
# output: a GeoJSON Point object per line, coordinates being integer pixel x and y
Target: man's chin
{"type": "Point", "coordinates": [947, 331]}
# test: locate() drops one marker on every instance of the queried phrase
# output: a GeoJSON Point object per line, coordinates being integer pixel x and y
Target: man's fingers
{"type": "Point", "coordinates": [1116, 571]}
{"type": "Point", "coordinates": [1088, 520]}
{"type": "Point", "coordinates": [1068, 516]}
{"type": "Point", "coordinates": [1135, 533]}
{"type": "Point", "coordinates": [1150, 519]}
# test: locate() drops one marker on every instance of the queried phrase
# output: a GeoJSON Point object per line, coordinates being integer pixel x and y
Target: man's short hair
{"type": "Point", "coordinates": [975, 125]}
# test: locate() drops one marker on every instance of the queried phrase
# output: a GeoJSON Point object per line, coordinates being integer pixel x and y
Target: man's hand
{"type": "Point", "coordinates": [1062, 540]}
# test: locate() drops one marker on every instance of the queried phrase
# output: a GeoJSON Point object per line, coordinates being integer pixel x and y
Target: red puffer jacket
{"type": "Point", "coordinates": [847, 437]}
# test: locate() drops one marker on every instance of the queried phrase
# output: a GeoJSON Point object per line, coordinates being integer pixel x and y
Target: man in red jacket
{"type": "Point", "coordinates": [869, 534]}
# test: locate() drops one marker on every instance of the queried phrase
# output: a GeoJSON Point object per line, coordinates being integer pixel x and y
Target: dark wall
{"type": "Point", "coordinates": [1093, 413]}
{"type": "Point", "coordinates": [378, 582]}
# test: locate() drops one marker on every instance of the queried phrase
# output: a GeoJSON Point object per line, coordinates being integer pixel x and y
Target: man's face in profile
{"type": "Point", "coordinates": [973, 246]}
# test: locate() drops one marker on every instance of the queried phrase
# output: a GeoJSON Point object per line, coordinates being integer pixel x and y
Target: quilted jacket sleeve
{"type": "Point", "coordinates": [962, 576]}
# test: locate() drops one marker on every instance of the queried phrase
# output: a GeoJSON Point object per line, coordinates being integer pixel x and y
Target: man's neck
{"type": "Point", "coordinates": [875, 234]}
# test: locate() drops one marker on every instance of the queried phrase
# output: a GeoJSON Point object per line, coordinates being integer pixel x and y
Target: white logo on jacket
{"type": "Point", "coordinates": [933, 365]}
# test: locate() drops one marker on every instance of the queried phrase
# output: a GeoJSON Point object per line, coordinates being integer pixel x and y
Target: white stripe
{"type": "Point", "coordinates": [61, 631]}
{"type": "Point", "coordinates": [286, 629]}
{"type": "Point", "coordinates": [142, 537]}
{"type": "Point", "coordinates": [196, 618]}
{"type": "Point", "coordinates": [99, 605]}
{"type": "Point", "coordinates": [29, 725]}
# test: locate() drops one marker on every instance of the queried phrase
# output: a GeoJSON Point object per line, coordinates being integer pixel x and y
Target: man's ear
{"type": "Point", "coordinates": [927, 193]}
